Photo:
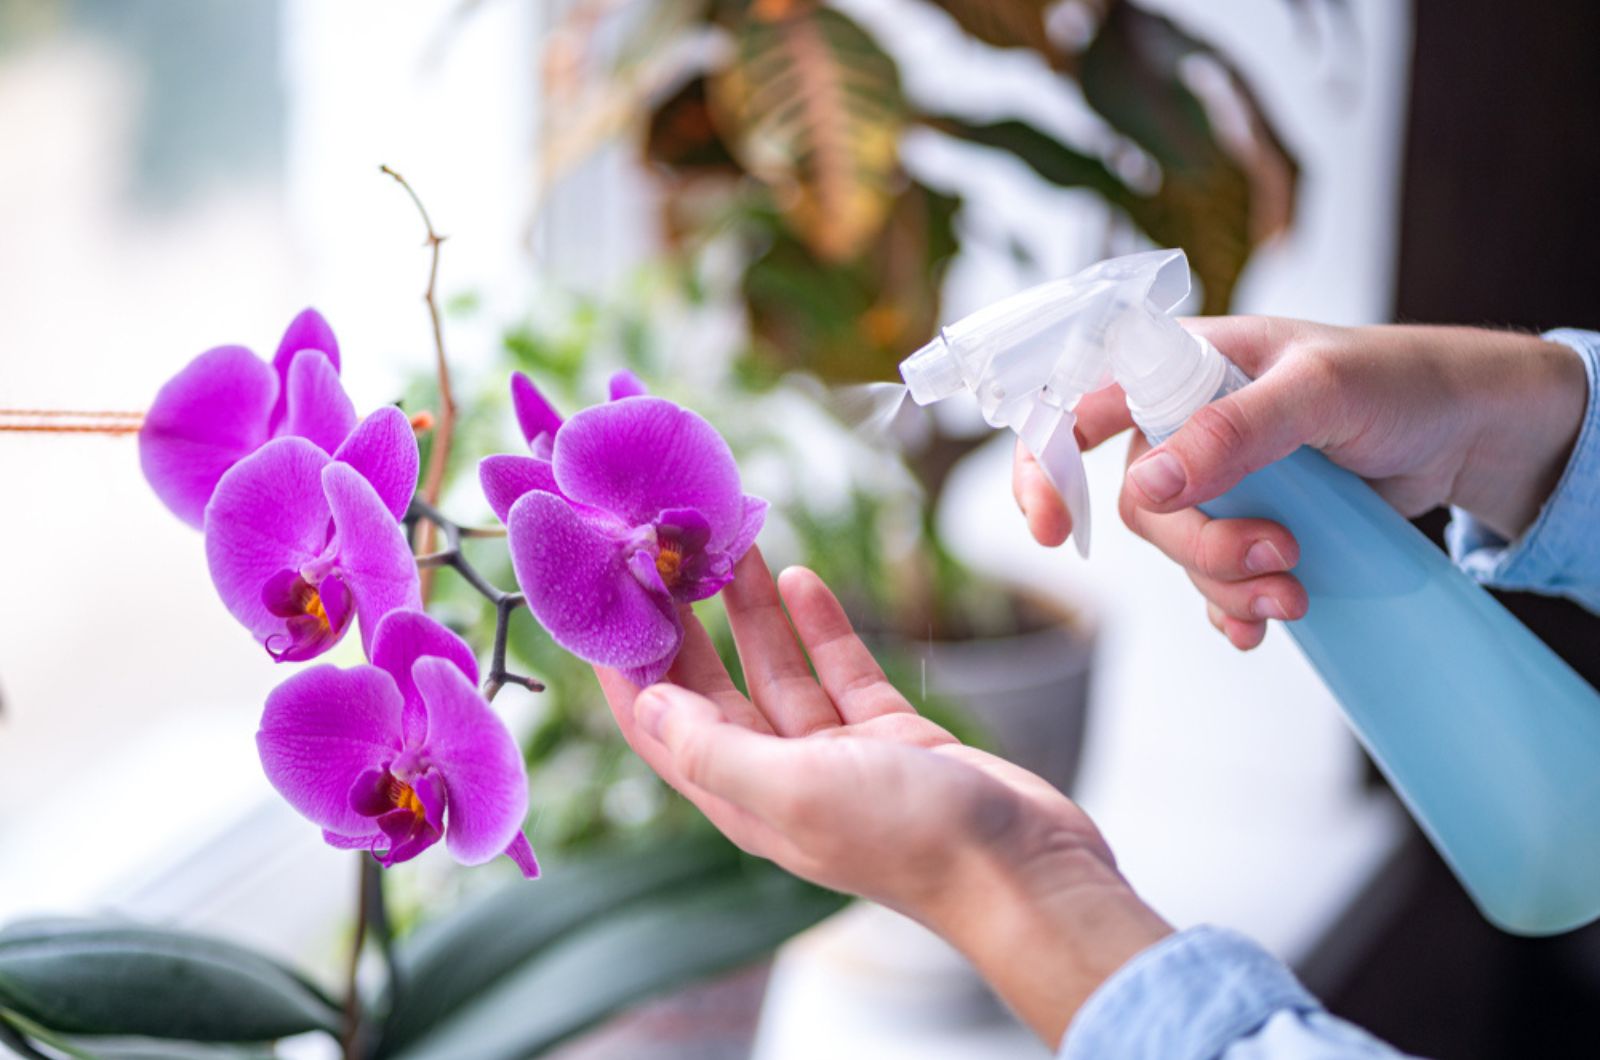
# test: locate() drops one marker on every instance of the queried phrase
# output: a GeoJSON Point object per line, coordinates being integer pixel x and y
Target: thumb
{"type": "Point", "coordinates": [712, 753]}
{"type": "Point", "coordinates": [1226, 440]}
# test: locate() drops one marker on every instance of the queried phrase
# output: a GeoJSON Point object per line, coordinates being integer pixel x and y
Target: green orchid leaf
{"type": "Point", "coordinates": [99, 977]}
{"type": "Point", "coordinates": [459, 956]}
{"type": "Point", "coordinates": [648, 948]}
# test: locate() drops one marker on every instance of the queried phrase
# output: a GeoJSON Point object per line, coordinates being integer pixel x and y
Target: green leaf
{"type": "Point", "coordinates": [453, 959]}
{"type": "Point", "coordinates": [110, 978]}
{"type": "Point", "coordinates": [811, 107]}
{"type": "Point", "coordinates": [1047, 156]}
{"type": "Point", "coordinates": [1218, 199]}
{"type": "Point", "coordinates": [853, 321]}
{"type": "Point", "coordinates": [616, 960]}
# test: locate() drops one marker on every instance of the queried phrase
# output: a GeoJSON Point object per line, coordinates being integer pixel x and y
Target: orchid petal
{"type": "Point", "coordinates": [755, 516]}
{"type": "Point", "coordinates": [206, 418]}
{"type": "Point", "coordinates": [578, 586]}
{"type": "Point", "coordinates": [350, 842]}
{"type": "Point", "coordinates": [625, 384]}
{"type": "Point", "coordinates": [402, 638]}
{"type": "Point", "coordinates": [647, 674]}
{"type": "Point", "coordinates": [521, 852]}
{"type": "Point", "coordinates": [384, 449]}
{"type": "Point", "coordinates": [374, 561]}
{"type": "Point", "coordinates": [535, 415]}
{"type": "Point", "coordinates": [322, 730]}
{"type": "Point", "coordinates": [506, 477]}
{"type": "Point", "coordinates": [268, 514]}
{"type": "Point", "coordinates": [307, 331]}
{"type": "Point", "coordinates": [638, 457]}
{"type": "Point", "coordinates": [316, 406]}
{"type": "Point", "coordinates": [486, 784]}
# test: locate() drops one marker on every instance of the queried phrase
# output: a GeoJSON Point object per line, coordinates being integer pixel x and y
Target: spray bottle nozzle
{"type": "Point", "coordinates": [1029, 358]}
{"type": "Point", "coordinates": [932, 373]}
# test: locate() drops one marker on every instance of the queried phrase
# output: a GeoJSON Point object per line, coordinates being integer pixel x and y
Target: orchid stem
{"type": "Point", "coordinates": [422, 511]}
{"type": "Point", "coordinates": [445, 426]}
{"type": "Point", "coordinates": [352, 996]}
{"type": "Point", "coordinates": [378, 920]}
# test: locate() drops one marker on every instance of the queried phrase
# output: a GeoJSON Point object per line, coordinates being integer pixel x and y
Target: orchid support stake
{"type": "Point", "coordinates": [445, 426]}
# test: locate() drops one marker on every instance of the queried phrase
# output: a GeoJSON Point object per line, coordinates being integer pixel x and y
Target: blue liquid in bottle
{"type": "Point", "coordinates": [1489, 738]}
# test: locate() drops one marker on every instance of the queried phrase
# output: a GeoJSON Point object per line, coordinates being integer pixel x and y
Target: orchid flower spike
{"type": "Point", "coordinates": [636, 511]}
{"type": "Point", "coordinates": [390, 757]}
{"type": "Point", "coordinates": [227, 403]}
{"type": "Point", "coordinates": [300, 542]}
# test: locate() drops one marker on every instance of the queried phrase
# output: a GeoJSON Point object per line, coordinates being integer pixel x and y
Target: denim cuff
{"type": "Point", "coordinates": [1559, 555]}
{"type": "Point", "coordinates": [1189, 997]}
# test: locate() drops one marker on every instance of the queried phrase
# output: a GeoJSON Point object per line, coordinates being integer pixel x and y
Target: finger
{"type": "Point", "coordinates": [775, 667]}
{"type": "Point", "coordinates": [848, 672]}
{"type": "Point", "coordinates": [1253, 343]}
{"type": "Point", "coordinates": [700, 669]}
{"type": "Point", "coordinates": [1048, 519]}
{"type": "Point", "coordinates": [1223, 549]}
{"type": "Point", "coordinates": [1101, 414]}
{"type": "Point", "coordinates": [1238, 433]}
{"type": "Point", "coordinates": [737, 823]}
{"type": "Point", "coordinates": [1273, 596]}
{"type": "Point", "coordinates": [1242, 635]}
{"type": "Point", "coordinates": [746, 769]}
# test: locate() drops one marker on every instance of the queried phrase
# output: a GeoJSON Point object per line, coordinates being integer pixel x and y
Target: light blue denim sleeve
{"type": "Point", "coordinates": [1211, 994]}
{"type": "Point", "coordinates": [1559, 555]}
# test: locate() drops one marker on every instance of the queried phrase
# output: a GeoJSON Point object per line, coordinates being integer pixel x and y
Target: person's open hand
{"type": "Point", "coordinates": [1480, 419]}
{"type": "Point", "coordinates": [836, 778]}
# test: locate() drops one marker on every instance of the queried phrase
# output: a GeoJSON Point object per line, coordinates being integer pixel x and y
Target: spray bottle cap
{"type": "Point", "coordinates": [1029, 358]}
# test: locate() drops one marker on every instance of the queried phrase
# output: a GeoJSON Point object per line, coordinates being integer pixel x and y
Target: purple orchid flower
{"type": "Point", "coordinates": [391, 756]}
{"type": "Point", "coordinates": [622, 514]}
{"type": "Point", "coordinates": [227, 403]}
{"type": "Point", "coordinates": [299, 542]}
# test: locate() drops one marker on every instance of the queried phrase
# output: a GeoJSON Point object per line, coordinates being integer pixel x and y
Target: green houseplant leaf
{"type": "Point", "coordinates": [610, 962]}
{"type": "Point", "coordinates": [102, 977]}
{"type": "Point", "coordinates": [457, 957]}
{"type": "Point", "coordinates": [1220, 195]}
{"type": "Point", "coordinates": [854, 320]}
{"type": "Point", "coordinates": [811, 107]}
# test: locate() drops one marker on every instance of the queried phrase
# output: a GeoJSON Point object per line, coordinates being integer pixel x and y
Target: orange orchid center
{"type": "Point", "coordinates": [402, 797]}
{"type": "Point", "coordinates": [313, 607]}
{"type": "Point", "coordinates": [669, 563]}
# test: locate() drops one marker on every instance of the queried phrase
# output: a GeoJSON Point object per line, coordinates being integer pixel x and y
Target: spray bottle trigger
{"type": "Point", "coordinates": [1048, 434]}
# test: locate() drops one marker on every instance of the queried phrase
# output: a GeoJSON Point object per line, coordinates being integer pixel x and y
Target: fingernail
{"type": "Point", "coordinates": [650, 711]}
{"type": "Point", "coordinates": [1159, 476]}
{"type": "Point", "coordinates": [1264, 607]}
{"type": "Point", "coordinates": [1264, 558]}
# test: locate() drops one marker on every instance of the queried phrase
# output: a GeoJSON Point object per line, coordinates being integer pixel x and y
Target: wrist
{"type": "Point", "coordinates": [1045, 933]}
{"type": "Point", "coordinates": [1527, 419]}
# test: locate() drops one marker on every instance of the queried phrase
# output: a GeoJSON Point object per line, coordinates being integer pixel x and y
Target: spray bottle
{"type": "Point", "coordinates": [1489, 738]}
